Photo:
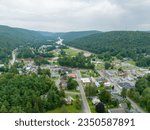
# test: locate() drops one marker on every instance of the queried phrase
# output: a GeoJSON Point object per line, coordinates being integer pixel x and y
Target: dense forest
{"type": "Point", "coordinates": [141, 93]}
{"type": "Point", "coordinates": [135, 45]}
{"type": "Point", "coordinates": [32, 93]}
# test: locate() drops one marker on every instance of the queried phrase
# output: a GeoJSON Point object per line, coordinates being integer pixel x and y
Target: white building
{"type": "Point", "coordinates": [85, 80]}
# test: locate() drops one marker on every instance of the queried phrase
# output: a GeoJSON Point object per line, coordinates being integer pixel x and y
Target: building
{"type": "Point", "coordinates": [86, 80]}
{"type": "Point", "coordinates": [1, 65]}
{"type": "Point", "coordinates": [97, 84]}
{"type": "Point", "coordinates": [93, 80]}
{"type": "Point", "coordinates": [54, 72]}
{"type": "Point", "coordinates": [69, 100]}
{"type": "Point", "coordinates": [126, 85]}
{"type": "Point", "coordinates": [107, 84]}
{"type": "Point", "coordinates": [95, 100]}
{"type": "Point", "coordinates": [101, 80]}
{"type": "Point", "coordinates": [72, 75]}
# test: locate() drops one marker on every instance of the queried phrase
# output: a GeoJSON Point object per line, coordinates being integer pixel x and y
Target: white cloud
{"type": "Point", "coordinates": [67, 15]}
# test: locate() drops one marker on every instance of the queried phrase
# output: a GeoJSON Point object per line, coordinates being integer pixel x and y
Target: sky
{"type": "Point", "coordinates": [76, 15]}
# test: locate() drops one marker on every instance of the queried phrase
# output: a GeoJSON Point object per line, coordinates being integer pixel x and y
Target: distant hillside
{"type": "Point", "coordinates": [123, 43]}
{"type": "Point", "coordinates": [11, 38]}
{"type": "Point", "coordinates": [68, 36]}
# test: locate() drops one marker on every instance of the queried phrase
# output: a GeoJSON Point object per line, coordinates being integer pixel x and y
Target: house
{"type": "Point", "coordinates": [97, 84]}
{"type": "Point", "coordinates": [1, 65]}
{"type": "Point", "coordinates": [107, 84]}
{"type": "Point", "coordinates": [95, 100]}
{"type": "Point", "coordinates": [69, 100]}
{"type": "Point", "coordinates": [93, 80]}
{"type": "Point", "coordinates": [63, 84]}
{"type": "Point", "coordinates": [72, 75]}
{"type": "Point", "coordinates": [126, 85]}
{"type": "Point", "coordinates": [116, 110]}
{"type": "Point", "coordinates": [123, 105]}
{"type": "Point", "coordinates": [100, 80]}
{"type": "Point", "coordinates": [86, 80]}
{"type": "Point", "coordinates": [55, 72]}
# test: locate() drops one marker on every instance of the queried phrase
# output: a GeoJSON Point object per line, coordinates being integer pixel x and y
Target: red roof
{"type": "Point", "coordinates": [72, 75]}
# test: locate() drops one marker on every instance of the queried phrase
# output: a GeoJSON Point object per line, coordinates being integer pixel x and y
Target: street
{"type": "Point", "coordinates": [86, 108]}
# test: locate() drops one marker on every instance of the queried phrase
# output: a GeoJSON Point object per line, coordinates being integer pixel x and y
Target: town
{"type": "Point", "coordinates": [87, 89]}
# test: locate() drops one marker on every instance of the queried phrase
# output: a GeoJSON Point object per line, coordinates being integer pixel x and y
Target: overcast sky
{"type": "Point", "coordinates": [75, 15]}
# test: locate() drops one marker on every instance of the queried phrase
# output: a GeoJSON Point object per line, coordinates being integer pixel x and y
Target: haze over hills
{"type": "Point", "coordinates": [69, 36]}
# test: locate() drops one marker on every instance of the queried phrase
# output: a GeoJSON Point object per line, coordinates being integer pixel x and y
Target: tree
{"type": "Point", "coordinates": [107, 65]}
{"type": "Point", "coordinates": [141, 84]}
{"type": "Point", "coordinates": [78, 103]}
{"type": "Point", "coordinates": [148, 105]}
{"type": "Point", "coordinates": [28, 93]}
{"type": "Point", "coordinates": [71, 84]}
{"type": "Point", "coordinates": [90, 90]}
{"type": "Point", "coordinates": [28, 108]}
{"type": "Point", "coordinates": [124, 92]}
{"type": "Point", "coordinates": [128, 104]}
{"type": "Point", "coordinates": [3, 109]}
{"type": "Point", "coordinates": [105, 96]}
{"type": "Point", "coordinates": [115, 102]}
{"type": "Point", "coordinates": [100, 108]}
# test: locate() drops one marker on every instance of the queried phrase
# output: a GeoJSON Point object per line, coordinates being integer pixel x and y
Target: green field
{"type": "Point", "coordinates": [92, 107]}
{"type": "Point", "coordinates": [71, 52]}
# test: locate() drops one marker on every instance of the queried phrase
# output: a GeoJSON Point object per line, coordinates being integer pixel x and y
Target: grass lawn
{"type": "Point", "coordinates": [92, 107]}
{"type": "Point", "coordinates": [131, 62]}
{"type": "Point", "coordinates": [66, 109]}
{"type": "Point", "coordinates": [99, 66]}
{"type": "Point", "coordinates": [71, 52]}
{"type": "Point", "coordinates": [74, 90]}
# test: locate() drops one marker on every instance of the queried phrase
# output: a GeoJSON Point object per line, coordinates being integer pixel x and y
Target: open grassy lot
{"type": "Point", "coordinates": [71, 52]}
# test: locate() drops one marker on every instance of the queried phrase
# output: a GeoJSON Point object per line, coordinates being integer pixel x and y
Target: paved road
{"type": "Point", "coordinates": [13, 57]}
{"type": "Point", "coordinates": [86, 108]}
{"type": "Point", "coordinates": [135, 106]}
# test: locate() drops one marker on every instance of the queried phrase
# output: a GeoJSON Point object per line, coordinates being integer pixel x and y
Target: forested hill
{"type": "Point", "coordinates": [12, 37]}
{"type": "Point", "coordinates": [69, 36]}
{"type": "Point", "coordinates": [121, 43]}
